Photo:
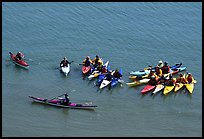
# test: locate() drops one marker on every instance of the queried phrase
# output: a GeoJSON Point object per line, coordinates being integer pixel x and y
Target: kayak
{"type": "Point", "coordinates": [56, 102]}
{"type": "Point", "coordinates": [100, 78]}
{"type": "Point", "coordinates": [115, 81]}
{"type": "Point", "coordinates": [158, 88]}
{"type": "Point", "coordinates": [190, 86]}
{"type": "Point", "coordinates": [175, 71]}
{"type": "Point", "coordinates": [147, 88]}
{"type": "Point", "coordinates": [96, 73]}
{"type": "Point", "coordinates": [104, 83]}
{"type": "Point", "coordinates": [135, 83]}
{"type": "Point", "coordinates": [65, 69]}
{"type": "Point", "coordinates": [168, 89]}
{"type": "Point", "coordinates": [20, 63]}
{"type": "Point", "coordinates": [147, 71]}
{"type": "Point", "coordinates": [133, 77]}
{"type": "Point", "coordinates": [85, 69]}
{"type": "Point", "coordinates": [140, 73]}
{"type": "Point", "coordinates": [178, 86]}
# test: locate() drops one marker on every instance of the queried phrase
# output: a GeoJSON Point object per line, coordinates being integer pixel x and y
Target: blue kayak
{"type": "Point", "coordinates": [115, 81]}
{"type": "Point", "coordinates": [147, 71]}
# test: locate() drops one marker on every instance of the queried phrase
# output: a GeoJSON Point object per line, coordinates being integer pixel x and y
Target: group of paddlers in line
{"type": "Point", "coordinates": [157, 76]}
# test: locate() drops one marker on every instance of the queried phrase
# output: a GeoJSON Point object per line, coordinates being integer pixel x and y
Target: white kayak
{"type": "Point", "coordinates": [158, 88]}
{"type": "Point", "coordinates": [104, 83]}
{"type": "Point", "coordinates": [65, 70]}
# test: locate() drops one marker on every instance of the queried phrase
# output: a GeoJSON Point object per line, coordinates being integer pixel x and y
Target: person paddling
{"type": "Point", "coordinates": [64, 62]}
{"type": "Point", "coordinates": [165, 68]}
{"type": "Point", "coordinates": [87, 62]}
{"type": "Point", "coordinates": [19, 56]}
{"type": "Point", "coordinates": [66, 99]}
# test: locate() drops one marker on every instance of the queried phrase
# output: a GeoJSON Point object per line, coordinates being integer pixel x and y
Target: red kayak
{"type": "Point", "coordinates": [147, 88]}
{"type": "Point", "coordinates": [20, 63]}
{"type": "Point", "coordinates": [85, 69]}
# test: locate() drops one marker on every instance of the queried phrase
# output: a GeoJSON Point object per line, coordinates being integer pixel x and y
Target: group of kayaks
{"type": "Point", "coordinates": [103, 81]}
{"type": "Point", "coordinates": [143, 74]}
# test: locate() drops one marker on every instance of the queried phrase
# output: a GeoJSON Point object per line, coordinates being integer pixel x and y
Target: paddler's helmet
{"type": "Point", "coordinates": [96, 56]}
{"type": "Point", "coordinates": [65, 58]}
{"type": "Point", "coordinates": [160, 62]}
{"type": "Point", "coordinates": [189, 74]}
{"type": "Point", "coordinates": [19, 53]}
{"type": "Point", "coordinates": [165, 63]}
{"type": "Point", "coordinates": [87, 57]}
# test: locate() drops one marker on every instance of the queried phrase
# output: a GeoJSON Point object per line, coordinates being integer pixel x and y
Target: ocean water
{"type": "Point", "coordinates": [131, 36]}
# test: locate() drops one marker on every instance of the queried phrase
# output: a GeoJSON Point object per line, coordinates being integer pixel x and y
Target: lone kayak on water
{"type": "Point", "coordinates": [63, 102]}
{"type": "Point", "coordinates": [18, 60]}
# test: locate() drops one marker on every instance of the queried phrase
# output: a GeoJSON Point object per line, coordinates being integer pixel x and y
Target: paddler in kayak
{"type": "Point", "coordinates": [170, 81]}
{"type": "Point", "coordinates": [66, 100]}
{"type": "Point", "coordinates": [19, 56]}
{"type": "Point", "coordinates": [117, 74]}
{"type": "Point", "coordinates": [151, 74]}
{"type": "Point", "coordinates": [87, 62]}
{"type": "Point", "coordinates": [108, 76]}
{"type": "Point", "coordinates": [162, 80]}
{"type": "Point", "coordinates": [97, 61]}
{"type": "Point", "coordinates": [64, 62]}
{"type": "Point", "coordinates": [165, 69]}
{"type": "Point", "coordinates": [181, 79]}
{"type": "Point", "coordinates": [152, 81]}
{"type": "Point", "coordinates": [158, 71]}
{"type": "Point", "coordinates": [189, 78]}
{"type": "Point", "coordinates": [160, 64]}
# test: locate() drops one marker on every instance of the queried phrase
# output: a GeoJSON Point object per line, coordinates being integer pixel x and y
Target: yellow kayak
{"type": "Point", "coordinates": [178, 86]}
{"type": "Point", "coordinates": [168, 89]}
{"type": "Point", "coordinates": [134, 76]}
{"type": "Point", "coordinates": [135, 83]}
{"type": "Point", "coordinates": [190, 86]}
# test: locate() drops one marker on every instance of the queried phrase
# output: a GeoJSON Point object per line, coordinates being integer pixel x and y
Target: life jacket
{"type": "Point", "coordinates": [189, 79]}
{"type": "Point", "coordinates": [87, 62]}
{"type": "Point", "coordinates": [165, 69]}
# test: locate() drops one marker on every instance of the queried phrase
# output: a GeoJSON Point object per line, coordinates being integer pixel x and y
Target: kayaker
{"type": "Point", "coordinates": [170, 81]}
{"type": "Point", "coordinates": [165, 69]}
{"type": "Point", "coordinates": [117, 74]}
{"type": "Point", "coordinates": [96, 61]}
{"type": "Point", "coordinates": [66, 101]}
{"type": "Point", "coordinates": [151, 74]}
{"type": "Point", "coordinates": [162, 79]}
{"type": "Point", "coordinates": [99, 68]}
{"type": "Point", "coordinates": [189, 78]}
{"type": "Point", "coordinates": [87, 62]}
{"type": "Point", "coordinates": [152, 81]}
{"type": "Point", "coordinates": [108, 76]}
{"type": "Point", "coordinates": [64, 62]}
{"type": "Point", "coordinates": [158, 71]}
{"type": "Point", "coordinates": [104, 69]}
{"type": "Point", "coordinates": [160, 64]}
{"type": "Point", "coordinates": [181, 79]}
{"type": "Point", "coordinates": [19, 56]}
